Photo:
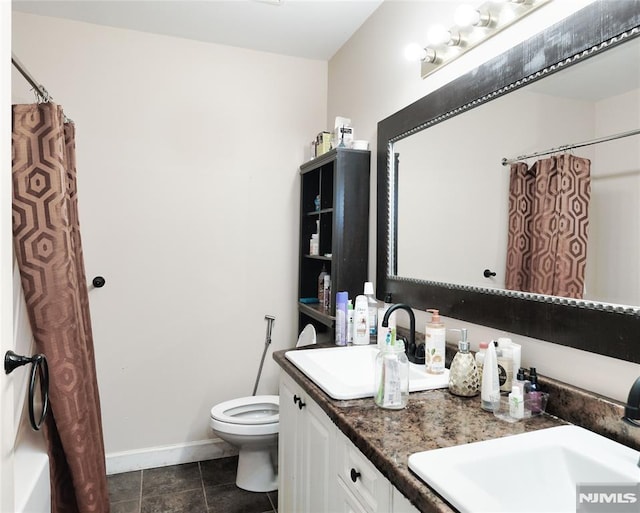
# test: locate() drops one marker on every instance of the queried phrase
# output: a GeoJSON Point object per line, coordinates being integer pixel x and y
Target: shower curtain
{"type": "Point", "coordinates": [548, 221]}
{"type": "Point", "coordinates": [49, 253]}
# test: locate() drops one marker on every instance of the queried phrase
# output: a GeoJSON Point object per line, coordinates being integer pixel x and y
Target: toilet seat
{"type": "Point", "coordinates": [248, 411]}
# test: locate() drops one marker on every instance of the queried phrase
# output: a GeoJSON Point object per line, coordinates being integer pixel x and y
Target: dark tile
{"type": "Point", "coordinates": [273, 498]}
{"type": "Point", "coordinates": [125, 486]}
{"type": "Point", "coordinates": [175, 478]}
{"type": "Point", "coordinates": [126, 506]}
{"type": "Point", "coordinates": [191, 501]}
{"type": "Point", "coordinates": [231, 499]}
{"type": "Point", "coordinates": [219, 471]}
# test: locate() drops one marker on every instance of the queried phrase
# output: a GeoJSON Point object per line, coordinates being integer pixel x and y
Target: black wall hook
{"type": "Point", "coordinates": [98, 282]}
{"type": "Point", "coordinates": [488, 273]}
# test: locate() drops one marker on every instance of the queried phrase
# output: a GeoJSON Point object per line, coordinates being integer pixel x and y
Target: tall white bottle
{"type": "Point", "coordinates": [361, 321]}
{"type": "Point", "coordinates": [372, 303]}
{"type": "Point", "coordinates": [490, 391]}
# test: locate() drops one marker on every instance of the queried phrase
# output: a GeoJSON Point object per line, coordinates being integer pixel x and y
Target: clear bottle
{"type": "Point", "coordinates": [435, 341]}
{"type": "Point", "coordinates": [463, 374]}
{"type": "Point", "coordinates": [373, 308]}
{"type": "Point", "coordinates": [392, 376]}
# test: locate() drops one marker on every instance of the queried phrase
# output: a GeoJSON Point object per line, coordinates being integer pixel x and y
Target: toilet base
{"type": "Point", "coordinates": [258, 469]}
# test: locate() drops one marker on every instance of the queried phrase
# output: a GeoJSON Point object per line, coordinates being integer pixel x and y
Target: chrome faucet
{"type": "Point", "coordinates": [632, 408]}
{"type": "Point", "coordinates": [414, 353]}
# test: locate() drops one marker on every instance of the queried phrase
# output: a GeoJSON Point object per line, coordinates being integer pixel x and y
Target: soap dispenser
{"type": "Point", "coordinates": [463, 374]}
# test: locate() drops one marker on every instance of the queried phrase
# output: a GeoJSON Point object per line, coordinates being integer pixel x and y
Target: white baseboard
{"type": "Point", "coordinates": [151, 457]}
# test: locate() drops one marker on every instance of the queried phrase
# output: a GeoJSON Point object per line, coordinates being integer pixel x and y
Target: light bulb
{"type": "Point", "coordinates": [414, 52]}
{"type": "Point", "coordinates": [465, 16]}
{"type": "Point", "coordinates": [438, 35]}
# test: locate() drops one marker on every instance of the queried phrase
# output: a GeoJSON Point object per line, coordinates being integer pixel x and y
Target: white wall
{"type": "Point", "coordinates": [188, 158]}
{"type": "Point", "coordinates": [369, 80]}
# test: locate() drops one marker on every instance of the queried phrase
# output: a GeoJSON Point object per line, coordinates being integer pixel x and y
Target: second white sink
{"type": "Point", "coordinates": [347, 372]}
{"type": "Point", "coordinates": [531, 472]}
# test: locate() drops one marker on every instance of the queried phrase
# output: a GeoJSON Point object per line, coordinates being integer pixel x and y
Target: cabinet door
{"type": "Point", "coordinates": [362, 478]}
{"type": "Point", "coordinates": [289, 447]}
{"type": "Point", "coordinates": [345, 501]}
{"type": "Point", "coordinates": [317, 460]}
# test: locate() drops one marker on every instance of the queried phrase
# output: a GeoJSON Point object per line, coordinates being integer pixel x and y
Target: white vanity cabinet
{"type": "Point", "coordinates": [320, 469]}
{"type": "Point", "coordinates": [305, 452]}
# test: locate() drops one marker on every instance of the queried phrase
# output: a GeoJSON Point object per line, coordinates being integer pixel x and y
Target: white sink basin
{"type": "Point", "coordinates": [530, 472]}
{"type": "Point", "coordinates": [347, 372]}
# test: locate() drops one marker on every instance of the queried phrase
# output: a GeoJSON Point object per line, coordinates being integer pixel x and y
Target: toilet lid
{"type": "Point", "coordinates": [258, 409]}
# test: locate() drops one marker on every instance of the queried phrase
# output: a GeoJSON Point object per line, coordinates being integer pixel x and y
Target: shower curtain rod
{"type": "Point", "coordinates": [39, 89]}
{"type": "Point", "coordinates": [566, 147]}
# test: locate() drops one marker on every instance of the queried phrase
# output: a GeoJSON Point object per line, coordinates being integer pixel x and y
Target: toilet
{"type": "Point", "coordinates": [251, 424]}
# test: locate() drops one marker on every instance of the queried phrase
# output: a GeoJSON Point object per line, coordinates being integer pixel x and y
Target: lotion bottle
{"type": "Point", "coordinates": [490, 391]}
{"type": "Point", "coordinates": [361, 321]}
{"type": "Point", "coordinates": [434, 340]}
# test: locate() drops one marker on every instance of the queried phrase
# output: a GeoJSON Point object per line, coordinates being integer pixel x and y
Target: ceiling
{"type": "Point", "coordinates": [314, 29]}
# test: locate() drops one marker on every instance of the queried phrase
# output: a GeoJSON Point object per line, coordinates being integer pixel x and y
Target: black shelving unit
{"type": "Point", "coordinates": [340, 178]}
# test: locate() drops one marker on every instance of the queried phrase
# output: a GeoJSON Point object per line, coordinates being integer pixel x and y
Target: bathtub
{"type": "Point", "coordinates": [31, 472]}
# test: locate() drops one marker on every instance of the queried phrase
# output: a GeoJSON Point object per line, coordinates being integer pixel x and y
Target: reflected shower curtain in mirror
{"type": "Point", "coordinates": [49, 254]}
{"type": "Point", "coordinates": [548, 221]}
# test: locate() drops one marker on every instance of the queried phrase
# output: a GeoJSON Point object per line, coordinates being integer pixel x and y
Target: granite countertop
{"type": "Point", "coordinates": [432, 419]}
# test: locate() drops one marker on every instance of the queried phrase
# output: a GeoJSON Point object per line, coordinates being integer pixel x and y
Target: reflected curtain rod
{"type": "Point", "coordinates": [566, 147]}
{"type": "Point", "coordinates": [39, 89]}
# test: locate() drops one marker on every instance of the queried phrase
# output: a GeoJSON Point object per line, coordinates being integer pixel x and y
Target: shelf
{"type": "Point", "coordinates": [317, 312]}
{"type": "Point", "coordinates": [318, 212]}
{"type": "Point", "coordinates": [319, 257]}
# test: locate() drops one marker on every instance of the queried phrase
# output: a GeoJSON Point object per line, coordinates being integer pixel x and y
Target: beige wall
{"type": "Point", "coordinates": [188, 158]}
{"type": "Point", "coordinates": [369, 80]}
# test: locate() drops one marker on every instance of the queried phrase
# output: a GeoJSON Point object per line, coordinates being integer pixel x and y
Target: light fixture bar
{"type": "Point", "coordinates": [493, 17]}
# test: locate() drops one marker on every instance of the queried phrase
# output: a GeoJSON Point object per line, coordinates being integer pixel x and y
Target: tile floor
{"type": "Point", "coordinates": [202, 487]}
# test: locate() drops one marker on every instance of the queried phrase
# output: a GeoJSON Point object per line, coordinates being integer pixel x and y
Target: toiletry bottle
{"type": "Point", "coordinates": [382, 331]}
{"type": "Point", "coordinates": [505, 366]}
{"type": "Point", "coordinates": [391, 375]}
{"type": "Point", "coordinates": [372, 305]}
{"type": "Point", "coordinates": [350, 321]}
{"type": "Point", "coordinates": [463, 374]}
{"type": "Point", "coordinates": [341, 318]}
{"type": "Point", "coordinates": [480, 358]}
{"type": "Point", "coordinates": [516, 403]}
{"type": "Point", "coordinates": [321, 276]}
{"type": "Point", "coordinates": [327, 292]}
{"type": "Point", "coordinates": [525, 387]}
{"type": "Point", "coordinates": [534, 391]}
{"type": "Point", "coordinates": [434, 339]}
{"type": "Point", "coordinates": [490, 391]}
{"type": "Point", "coordinates": [361, 321]}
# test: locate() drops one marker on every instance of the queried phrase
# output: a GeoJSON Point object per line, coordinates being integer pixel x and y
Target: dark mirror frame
{"type": "Point", "coordinates": [599, 328]}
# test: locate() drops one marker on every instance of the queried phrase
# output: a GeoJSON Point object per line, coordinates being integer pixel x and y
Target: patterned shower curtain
{"type": "Point", "coordinates": [49, 254]}
{"type": "Point", "coordinates": [548, 221]}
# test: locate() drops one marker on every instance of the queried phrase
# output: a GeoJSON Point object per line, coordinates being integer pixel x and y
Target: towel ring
{"type": "Point", "coordinates": [39, 367]}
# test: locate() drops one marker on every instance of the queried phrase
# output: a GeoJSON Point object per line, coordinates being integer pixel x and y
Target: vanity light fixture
{"type": "Point", "coordinates": [473, 25]}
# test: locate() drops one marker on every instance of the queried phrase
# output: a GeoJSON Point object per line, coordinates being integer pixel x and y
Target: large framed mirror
{"type": "Point", "coordinates": [444, 193]}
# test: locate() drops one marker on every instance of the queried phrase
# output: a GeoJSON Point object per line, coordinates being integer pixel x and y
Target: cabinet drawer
{"type": "Point", "coordinates": [361, 477]}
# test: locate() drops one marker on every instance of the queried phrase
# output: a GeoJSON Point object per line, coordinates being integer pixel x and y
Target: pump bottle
{"type": "Point", "coordinates": [434, 340]}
